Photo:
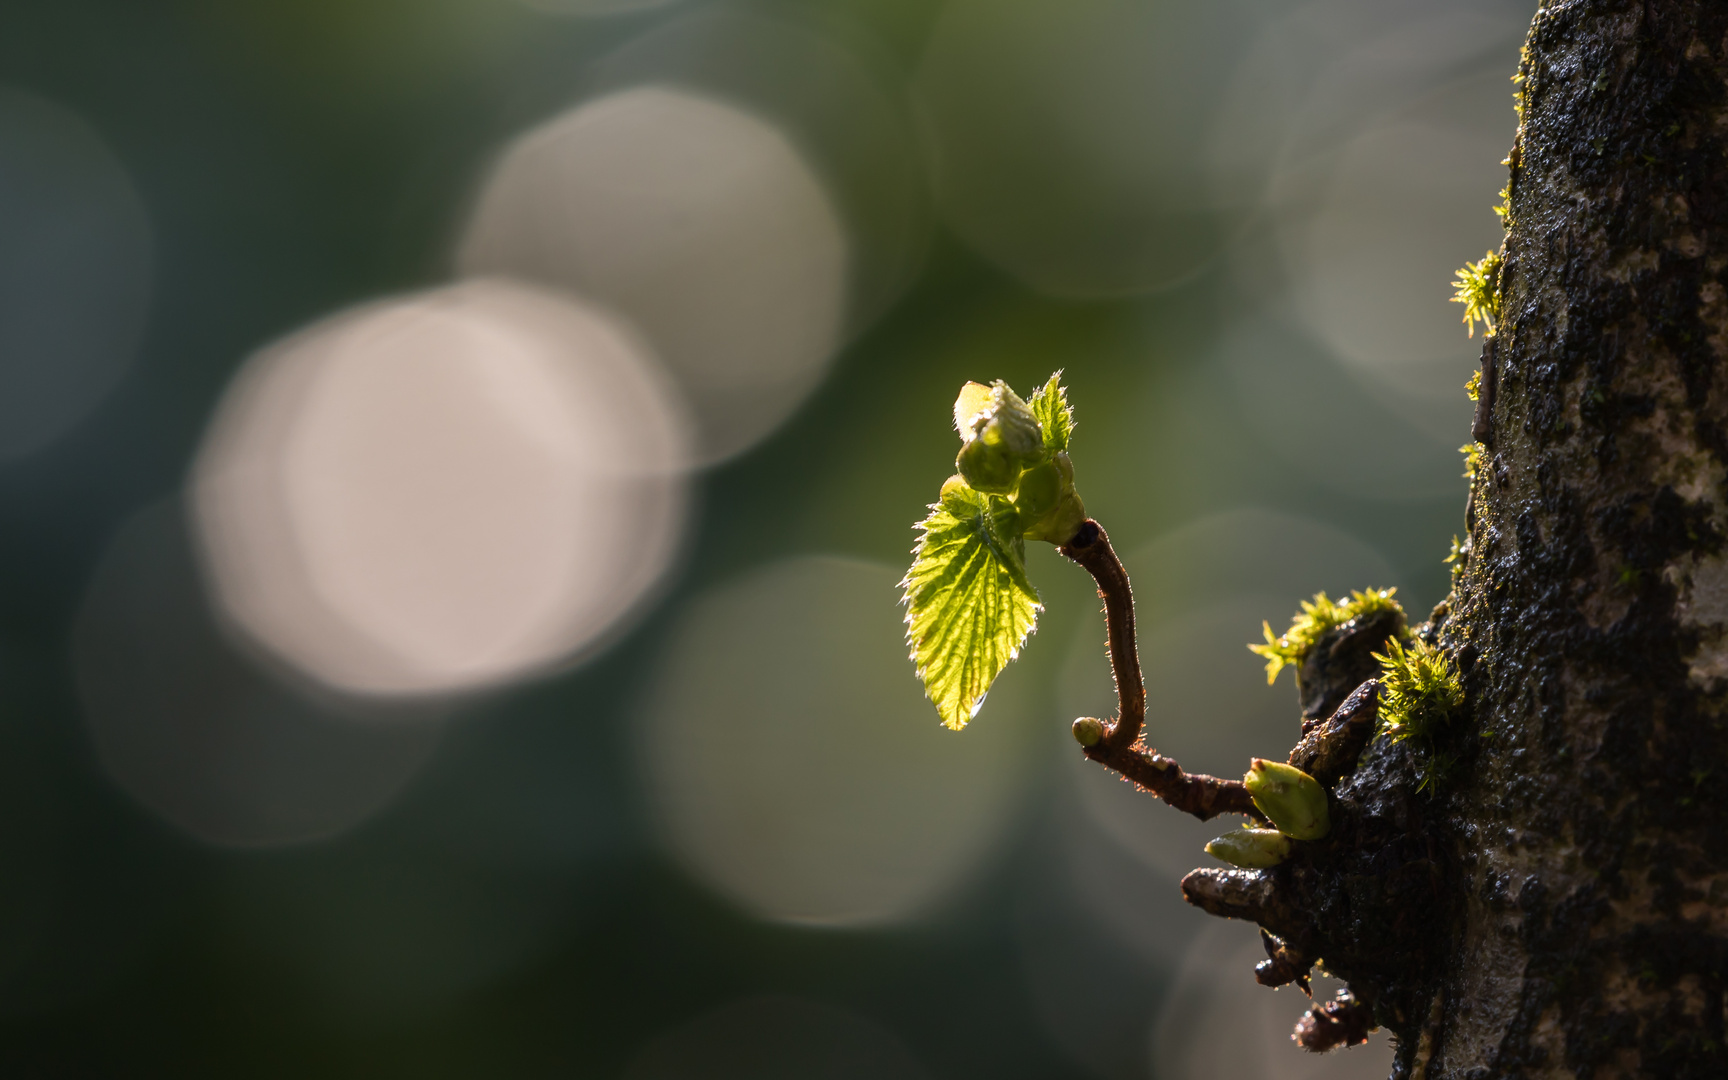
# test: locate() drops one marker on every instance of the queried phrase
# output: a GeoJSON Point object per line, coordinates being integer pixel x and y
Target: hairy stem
{"type": "Point", "coordinates": [1090, 547]}
{"type": "Point", "coordinates": [1121, 747]}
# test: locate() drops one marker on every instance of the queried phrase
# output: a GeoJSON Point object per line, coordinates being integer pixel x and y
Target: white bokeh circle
{"type": "Point", "coordinates": [442, 492]}
{"type": "Point", "coordinates": [1072, 139]}
{"type": "Point", "coordinates": [696, 220]}
{"type": "Point", "coordinates": [793, 764]}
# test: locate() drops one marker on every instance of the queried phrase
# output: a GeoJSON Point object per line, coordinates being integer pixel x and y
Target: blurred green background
{"type": "Point", "coordinates": [267, 814]}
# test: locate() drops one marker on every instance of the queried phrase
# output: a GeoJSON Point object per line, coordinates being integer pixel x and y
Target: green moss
{"type": "Point", "coordinates": [1473, 388]}
{"type": "Point", "coordinates": [1518, 80]}
{"type": "Point", "coordinates": [1472, 459]}
{"type": "Point", "coordinates": [1478, 286]}
{"type": "Point", "coordinates": [1421, 697]}
{"type": "Point", "coordinates": [1316, 617]}
{"type": "Point", "coordinates": [1456, 558]}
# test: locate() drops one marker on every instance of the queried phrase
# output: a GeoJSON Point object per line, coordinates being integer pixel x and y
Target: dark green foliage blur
{"type": "Point", "coordinates": [511, 914]}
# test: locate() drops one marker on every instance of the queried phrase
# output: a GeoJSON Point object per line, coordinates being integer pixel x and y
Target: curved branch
{"type": "Point", "coordinates": [1121, 747]}
{"type": "Point", "coordinates": [1090, 547]}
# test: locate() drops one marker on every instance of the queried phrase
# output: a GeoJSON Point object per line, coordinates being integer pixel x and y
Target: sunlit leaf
{"type": "Point", "coordinates": [1050, 405]}
{"type": "Point", "coordinates": [969, 607]}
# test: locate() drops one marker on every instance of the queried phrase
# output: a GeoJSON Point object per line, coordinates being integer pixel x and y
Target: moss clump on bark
{"type": "Point", "coordinates": [1421, 699]}
{"type": "Point", "coordinates": [1311, 623]}
{"type": "Point", "coordinates": [1478, 285]}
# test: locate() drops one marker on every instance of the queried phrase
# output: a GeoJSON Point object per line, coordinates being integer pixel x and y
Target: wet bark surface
{"type": "Point", "coordinates": [1586, 820]}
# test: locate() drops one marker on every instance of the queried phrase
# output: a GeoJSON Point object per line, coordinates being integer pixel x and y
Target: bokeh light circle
{"type": "Point", "coordinates": [75, 269]}
{"type": "Point", "coordinates": [1408, 202]}
{"type": "Point", "coordinates": [696, 220]}
{"type": "Point", "coordinates": [836, 94]}
{"type": "Point", "coordinates": [1319, 73]}
{"type": "Point", "coordinates": [777, 1038]}
{"type": "Point", "coordinates": [1073, 145]}
{"type": "Point", "coordinates": [201, 735]}
{"type": "Point", "coordinates": [794, 765]}
{"type": "Point", "coordinates": [593, 9]}
{"type": "Point", "coordinates": [442, 492]}
{"type": "Point", "coordinates": [1315, 412]}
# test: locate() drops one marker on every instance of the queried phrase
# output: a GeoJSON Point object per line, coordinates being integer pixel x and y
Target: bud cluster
{"type": "Point", "coordinates": [1295, 804]}
{"type": "Point", "coordinates": [1004, 453]}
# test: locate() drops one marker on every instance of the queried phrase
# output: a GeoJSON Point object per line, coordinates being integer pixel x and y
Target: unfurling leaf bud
{"type": "Point", "coordinates": [1000, 434]}
{"type": "Point", "coordinates": [1254, 849]}
{"type": "Point", "coordinates": [973, 403]}
{"type": "Point", "coordinates": [1088, 731]}
{"type": "Point", "coordinates": [1290, 799]}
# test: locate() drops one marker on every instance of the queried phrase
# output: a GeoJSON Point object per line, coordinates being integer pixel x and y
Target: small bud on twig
{"type": "Point", "coordinates": [1290, 799]}
{"type": "Point", "coordinates": [1255, 849]}
{"type": "Point", "coordinates": [1088, 731]}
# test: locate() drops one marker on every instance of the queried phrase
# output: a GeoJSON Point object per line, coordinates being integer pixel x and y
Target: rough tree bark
{"type": "Point", "coordinates": [1558, 906]}
{"type": "Point", "coordinates": [1590, 834]}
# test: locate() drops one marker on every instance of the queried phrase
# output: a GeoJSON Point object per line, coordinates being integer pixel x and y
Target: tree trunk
{"type": "Point", "coordinates": [1558, 904]}
{"type": "Point", "coordinates": [1589, 833]}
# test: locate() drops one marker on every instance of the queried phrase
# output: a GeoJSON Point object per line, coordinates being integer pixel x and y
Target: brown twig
{"type": "Point", "coordinates": [1121, 747]}
{"type": "Point", "coordinates": [1244, 894]}
{"type": "Point", "coordinates": [1482, 424]}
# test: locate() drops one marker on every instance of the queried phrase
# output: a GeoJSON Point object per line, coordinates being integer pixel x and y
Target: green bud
{"type": "Point", "coordinates": [1088, 731]}
{"type": "Point", "coordinates": [1255, 849]}
{"type": "Point", "coordinates": [1290, 799]}
{"type": "Point", "coordinates": [1040, 488]}
{"type": "Point", "coordinates": [1000, 434]}
{"type": "Point", "coordinates": [1061, 523]}
{"type": "Point", "coordinates": [1058, 524]}
{"type": "Point", "coordinates": [1013, 427]}
{"type": "Point", "coordinates": [988, 468]}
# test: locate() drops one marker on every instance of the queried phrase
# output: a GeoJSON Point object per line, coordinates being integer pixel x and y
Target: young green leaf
{"type": "Point", "coordinates": [969, 607]}
{"type": "Point", "coordinates": [1050, 405]}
